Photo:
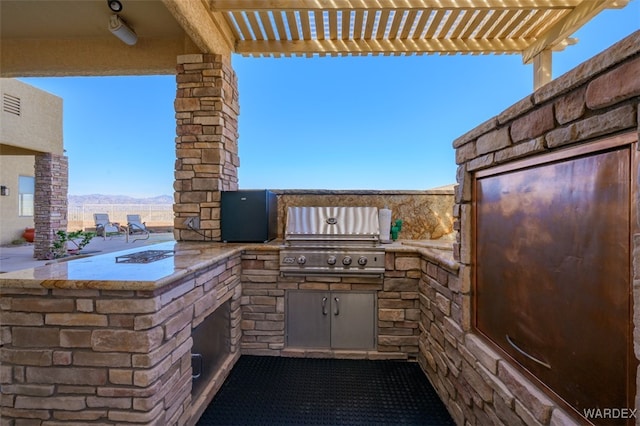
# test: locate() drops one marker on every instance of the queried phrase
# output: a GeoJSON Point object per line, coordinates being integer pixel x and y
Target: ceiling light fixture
{"type": "Point", "coordinates": [115, 5]}
{"type": "Point", "coordinates": [120, 29]}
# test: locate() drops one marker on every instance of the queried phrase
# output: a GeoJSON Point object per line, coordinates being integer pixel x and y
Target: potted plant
{"type": "Point", "coordinates": [79, 239]}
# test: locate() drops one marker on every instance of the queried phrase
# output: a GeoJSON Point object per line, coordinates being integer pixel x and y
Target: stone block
{"type": "Point", "coordinates": [25, 337]}
{"type": "Point", "coordinates": [622, 118]}
{"type": "Point", "coordinates": [42, 305]}
{"type": "Point", "coordinates": [75, 338]}
{"type": "Point", "coordinates": [67, 376]}
{"type": "Point", "coordinates": [391, 314]}
{"type": "Point", "coordinates": [534, 124]}
{"type": "Point", "coordinates": [81, 319]}
{"type": "Point", "coordinates": [126, 340]}
{"type": "Point", "coordinates": [101, 359]}
{"type": "Point", "coordinates": [529, 395]}
{"type": "Point", "coordinates": [522, 149]}
{"type": "Point", "coordinates": [482, 352]}
{"type": "Point", "coordinates": [571, 106]}
{"type": "Point", "coordinates": [26, 356]}
{"type": "Point", "coordinates": [71, 403]}
{"type": "Point", "coordinates": [618, 85]}
{"type": "Point", "coordinates": [493, 141]}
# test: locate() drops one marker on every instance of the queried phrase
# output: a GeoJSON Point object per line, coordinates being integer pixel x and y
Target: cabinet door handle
{"type": "Point", "coordinates": [196, 361]}
{"type": "Point", "coordinates": [532, 358]}
{"type": "Point", "coordinates": [337, 300]}
{"type": "Point", "coordinates": [324, 306]}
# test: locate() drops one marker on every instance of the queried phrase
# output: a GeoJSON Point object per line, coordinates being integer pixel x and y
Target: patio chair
{"type": "Point", "coordinates": [104, 227]}
{"type": "Point", "coordinates": [137, 227]}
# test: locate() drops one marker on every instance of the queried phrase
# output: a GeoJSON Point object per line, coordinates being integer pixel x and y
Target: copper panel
{"type": "Point", "coordinates": [553, 274]}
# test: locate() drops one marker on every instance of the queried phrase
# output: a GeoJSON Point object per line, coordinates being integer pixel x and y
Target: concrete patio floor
{"type": "Point", "coordinates": [15, 258]}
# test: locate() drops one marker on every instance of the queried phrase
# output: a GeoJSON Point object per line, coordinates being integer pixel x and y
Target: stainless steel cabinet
{"type": "Point", "coordinates": [337, 320]}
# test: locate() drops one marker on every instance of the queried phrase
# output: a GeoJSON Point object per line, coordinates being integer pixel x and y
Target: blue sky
{"type": "Point", "coordinates": [320, 123]}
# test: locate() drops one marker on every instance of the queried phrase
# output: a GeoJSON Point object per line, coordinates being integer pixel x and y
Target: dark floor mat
{"type": "Point", "coordinates": [304, 391]}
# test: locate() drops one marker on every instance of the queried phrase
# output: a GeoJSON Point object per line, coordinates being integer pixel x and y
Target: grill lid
{"type": "Point", "coordinates": [332, 223]}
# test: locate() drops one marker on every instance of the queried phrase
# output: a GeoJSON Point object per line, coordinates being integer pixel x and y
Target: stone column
{"type": "Point", "coordinates": [207, 160]}
{"type": "Point", "coordinates": [50, 200]}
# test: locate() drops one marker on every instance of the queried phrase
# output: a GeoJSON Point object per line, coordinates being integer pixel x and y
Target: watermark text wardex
{"type": "Point", "coordinates": [609, 413]}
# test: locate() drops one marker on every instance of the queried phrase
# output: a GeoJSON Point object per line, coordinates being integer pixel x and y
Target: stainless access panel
{"type": "Point", "coordinates": [337, 320]}
{"type": "Point", "coordinates": [308, 319]}
{"type": "Point", "coordinates": [353, 320]}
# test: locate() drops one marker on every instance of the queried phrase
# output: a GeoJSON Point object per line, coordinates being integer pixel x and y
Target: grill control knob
{"type": "Point", "coordinates": [362, 261]}
{"type": "Point", "coordinates": [346, 261]}
{"type": "Point", "coordinates": [301, 260]}
{"type": "Point", "coordinates": [331, 260]}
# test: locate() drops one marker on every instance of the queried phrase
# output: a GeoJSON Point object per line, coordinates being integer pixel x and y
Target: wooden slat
{"type": "Point", "coordinates": [245, 34]}
{"type": "Point", "coordinates": [487, 25]}
{"type": "Point", "coordinates": [479, 16]}
{"type": "Point", "coordinates": [395, 24]}
{"type": "Point", "coordinates": [293, 26]}
{"type": "Point", "coordinates": [508, 29]}
{"type": "Point", "coordinates": [255, 26]}
{"type": "Point", "coordinates": [371, 20]}
{"type": "Point", "coordinates": [280, 25]}
{"type": "Point", "coordinates": [266, 24]}
{"type": "Point", "coordinates": [318, 17]}
{"type": "Point", "coordinates": [357, 26]}
{"type": "Point", "coordinates": [435, 23]}
{"type": "Point", "coordinates": [424, 18]}
{"type": "Point", "coordinates": [460, 26]}
{"type": "Point", "coordinates": [408, 23]}
{"type": "Point", "coordinates": [451, 19]}
{"type": "Point", "coordinates": [333, 24]}
{"type": "Point", "coordinates": [346, 24]}
{"type": "Point", "coordinates": [382, 24]}
{"type": "Point", "coordinates": [533, 20]}
{"type": "Point", "coordinates": [306, 25]}
{"type": "Point", "coordinates": [505, 16]}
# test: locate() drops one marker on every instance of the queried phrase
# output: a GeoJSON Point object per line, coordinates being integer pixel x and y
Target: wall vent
{"type": "Point", "coordinates": [10, 104]}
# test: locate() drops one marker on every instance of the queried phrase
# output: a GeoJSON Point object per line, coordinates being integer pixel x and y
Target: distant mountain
{"type": "Point", "coordinates": [118, 199]}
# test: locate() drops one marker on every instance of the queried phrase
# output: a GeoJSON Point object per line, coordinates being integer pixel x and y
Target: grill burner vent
{"type": "Point", "coordinates": [146, 256]}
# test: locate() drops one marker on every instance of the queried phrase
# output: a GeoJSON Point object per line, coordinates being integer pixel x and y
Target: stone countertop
{"type": "Point", "coordinates": [102, 272]}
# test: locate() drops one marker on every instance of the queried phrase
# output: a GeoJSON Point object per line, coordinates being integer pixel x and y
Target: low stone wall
{"type": "Point", "coordinates": [112, 357]}
{"type": "Point", "coordinates": [478, 385]}
{"type": "Point", "coordinates": [263, 306]}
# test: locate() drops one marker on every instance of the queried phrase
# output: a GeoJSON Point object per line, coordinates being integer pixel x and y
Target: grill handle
{"type": "Point", "coordinates": [337, 300]}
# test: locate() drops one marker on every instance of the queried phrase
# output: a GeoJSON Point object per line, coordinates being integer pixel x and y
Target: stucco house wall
{"type": "Point", "coordinates": [30, 124]}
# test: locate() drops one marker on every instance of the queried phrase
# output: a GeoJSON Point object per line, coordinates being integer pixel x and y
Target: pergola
{"type": "Point", "coordinates": [181, 37]}
{"type": "Point", "coordinates": [63, 37]}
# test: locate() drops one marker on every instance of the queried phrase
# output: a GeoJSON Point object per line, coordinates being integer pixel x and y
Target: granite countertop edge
{"type": "Point", "coordinates": [188, 258]}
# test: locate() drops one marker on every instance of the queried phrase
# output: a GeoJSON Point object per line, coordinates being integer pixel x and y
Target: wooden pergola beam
{"type": "Point", "coordinates": [379, 46]}
{"type": "Point", "coordinates": [579, 16]}
{"type": "Point", "coordinates": [244, 5]}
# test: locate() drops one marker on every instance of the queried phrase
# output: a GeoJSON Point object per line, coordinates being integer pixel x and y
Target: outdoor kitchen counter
{"type": "Point", "coordinates": [440, 252]}
{"type": "Point", "coordinates": [102, 272]}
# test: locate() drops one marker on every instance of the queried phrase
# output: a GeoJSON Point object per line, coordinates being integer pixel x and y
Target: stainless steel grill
{"type": "Point", "coordinates": [332, 241]}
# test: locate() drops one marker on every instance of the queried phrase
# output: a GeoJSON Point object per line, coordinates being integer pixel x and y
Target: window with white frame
{"type": "Point", "coordinates": [26, 191]}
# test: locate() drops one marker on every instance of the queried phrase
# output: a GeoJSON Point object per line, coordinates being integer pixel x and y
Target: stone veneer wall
{"type": "Point", "coordinates": [207, 109]}
{"type": "Point", "coordinates": [263, 306]}
{"type": "Point", "coordinates": [50, 200]}
{"type": "Point", "coordinates": [598, 98]}
{"type": "Point", "coordinates": [426, 215]}
{"type": "Point", "coordinates": [111, 357]}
